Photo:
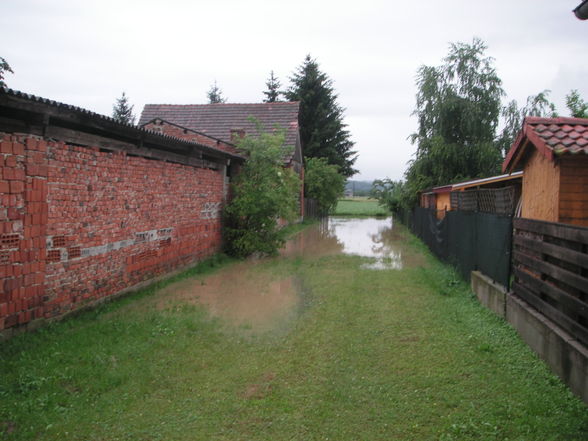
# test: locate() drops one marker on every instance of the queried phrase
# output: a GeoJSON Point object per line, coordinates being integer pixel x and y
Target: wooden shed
{"type": "Point", "coordinates": [442, 198]}
{"type": "Point", "coordinates": [553, 152]}
{"type": "Point", "coordinates": [437, 199]}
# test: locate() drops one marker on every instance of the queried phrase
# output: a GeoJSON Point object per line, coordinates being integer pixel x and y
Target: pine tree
{"type": "Point", "coordinates": [4, 67]}
{"type": "Point", "coordinates": [272, 94]}
{"type": "Point", "coordinates": [122, 111]}
{"type": "Point", "coordinates": [322, 130]}
{"type": "Point", "coordinates": [215, 95]}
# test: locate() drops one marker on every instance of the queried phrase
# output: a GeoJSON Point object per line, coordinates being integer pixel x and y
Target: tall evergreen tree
{"type": "Point", "coordinates": [322, 131]}
{"type": "Point", "coordinates": [4, 67]}
{"type": "Point", "coordinates": [122, 111]}
{"type": "Point", "coordinates": [215, 95]}
{"type": "Point", "coordinates": [272, 94]}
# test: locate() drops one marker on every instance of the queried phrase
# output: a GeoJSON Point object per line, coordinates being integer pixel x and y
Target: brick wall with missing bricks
{"type": "Point", "coordinates": [78, 224]}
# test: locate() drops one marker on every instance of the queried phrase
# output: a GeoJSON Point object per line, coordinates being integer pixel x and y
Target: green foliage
{"type": "Point", "coordinates": [4, 67]}
{"type": "Point", "coordinates": [272, 94]}
{"type": "Point", "coordinates": [323, 182]}
{"type": "Point", "coordinates": [322, 131]}
{"type": "Point", "coordinates": [122, 111]}
{"type": "Point", "coordinates": [458, 107]}
{"type": "Point", "coordinates": [263, 192]}
{"type": "Point", "coordinates": [459, 100]}
{"type": "Point", "coordinates": [537, 105]}
{"type": "Point", "coordinates": [215, 95]}
{"type": "Point", "coordinates": [577, 106]}
{"type": "Point", "coordinates": [513, 120]}
{"type": "Point", "coordinates": [389, 193]}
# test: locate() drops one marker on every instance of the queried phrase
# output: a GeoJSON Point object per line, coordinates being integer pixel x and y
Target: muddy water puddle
{"type": "Point", "coordinates": [257, 299]}
{"type": "Point", "coordinates": [244, 295]}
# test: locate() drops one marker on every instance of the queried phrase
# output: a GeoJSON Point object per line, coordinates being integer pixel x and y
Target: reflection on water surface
{"type": "Point", "coordinates": [377, 238]}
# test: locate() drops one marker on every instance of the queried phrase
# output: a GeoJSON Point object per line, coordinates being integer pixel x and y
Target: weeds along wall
{"type": "Point", "coordinates": [79, 224]}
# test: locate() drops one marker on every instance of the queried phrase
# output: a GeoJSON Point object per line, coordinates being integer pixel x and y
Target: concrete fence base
{"type": "Point", "coordinates": [566, 357]}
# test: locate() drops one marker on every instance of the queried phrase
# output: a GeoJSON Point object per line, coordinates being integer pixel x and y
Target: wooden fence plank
{"type": "Point", "coordinates": [566, 254]}
{"type": "Point", "coordinates": [559, 295]}
{"type": "Point", "coordinates": [567, 232]}
{"type": "Point", "coordinates": [554, 271]}
{"type": "Point", "coordinates": [577, 330]}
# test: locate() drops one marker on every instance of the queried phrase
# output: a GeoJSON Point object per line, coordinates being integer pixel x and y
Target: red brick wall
{"type": "Point", "coordinates": [178, 132]}
{"type": "Point", "coordinates": [78, 224]}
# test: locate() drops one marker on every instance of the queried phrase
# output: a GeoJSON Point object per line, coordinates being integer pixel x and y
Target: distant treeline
{"type": "Point", "coordinates": [359, 188]}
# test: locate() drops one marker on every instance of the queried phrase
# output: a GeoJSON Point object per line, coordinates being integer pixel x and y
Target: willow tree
{"type": "Point", "coordinates": [576, 105]}
{"type": "Point", "coordinates": [513, 116]}
{"type": "Point", "coordinates": [458, 106]}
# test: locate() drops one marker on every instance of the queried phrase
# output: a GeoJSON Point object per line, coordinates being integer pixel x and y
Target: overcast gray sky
{"type": "Point", "coordinates": [87, 52]}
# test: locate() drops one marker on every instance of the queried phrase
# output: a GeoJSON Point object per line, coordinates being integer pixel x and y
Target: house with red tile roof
{"type": "Point", "coordinates": [553, 152]}
{"type": "Point", "coordinates": [226, 122]}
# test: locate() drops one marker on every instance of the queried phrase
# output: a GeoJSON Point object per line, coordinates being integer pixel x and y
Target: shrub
{"type": "Point", "coordinates": [263, 192]}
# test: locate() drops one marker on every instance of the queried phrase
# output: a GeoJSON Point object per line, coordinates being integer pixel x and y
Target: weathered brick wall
{"type": "Point", "coordinates": [79, 224]}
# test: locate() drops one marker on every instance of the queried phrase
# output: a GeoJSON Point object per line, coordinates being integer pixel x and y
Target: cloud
{"type": "Point", "coordinates": [87, 53]}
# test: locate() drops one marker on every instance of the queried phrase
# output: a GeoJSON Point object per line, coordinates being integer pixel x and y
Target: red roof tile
{"type": "Point", "coordinates": [218, 120]}
{"type": "Point", "coordinates": [551, 136]}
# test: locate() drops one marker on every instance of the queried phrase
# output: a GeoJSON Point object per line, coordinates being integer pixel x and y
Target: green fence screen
{"type": "Point", "coordinates": [468, 240]}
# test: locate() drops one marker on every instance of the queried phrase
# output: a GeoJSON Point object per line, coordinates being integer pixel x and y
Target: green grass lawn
{"type": "Point", "coordinates": [359, 206]}
{"type": "Point", "coordinates": [373, 355]}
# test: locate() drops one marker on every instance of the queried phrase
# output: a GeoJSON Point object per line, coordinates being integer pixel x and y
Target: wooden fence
{"type": "Point", "coordinates": [550, 265]}
{"type": "Point", "coordinates": [311, 209]}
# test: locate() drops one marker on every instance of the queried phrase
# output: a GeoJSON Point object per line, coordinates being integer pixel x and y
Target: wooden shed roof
{"type": "Point", "coordinates": [474, 183]}
{"type": "Point", "coordinates": [22, 112]}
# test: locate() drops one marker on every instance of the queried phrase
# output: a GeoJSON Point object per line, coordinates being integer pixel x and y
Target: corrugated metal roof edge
{"type": "Point", "coordinates": [97, 116]}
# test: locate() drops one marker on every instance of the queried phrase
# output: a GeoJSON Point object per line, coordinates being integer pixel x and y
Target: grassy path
{"type": "Point", "coordinates": [372, 355]}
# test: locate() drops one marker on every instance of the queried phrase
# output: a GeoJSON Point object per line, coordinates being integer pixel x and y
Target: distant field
{"type": "Point", "coordinates": [359, 206]}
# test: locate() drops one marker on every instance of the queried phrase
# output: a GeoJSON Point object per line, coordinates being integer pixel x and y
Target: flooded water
{"type": "Point", "coordinates": [376, 238]}
{"type": "Point", "coordinates": [250, 296]}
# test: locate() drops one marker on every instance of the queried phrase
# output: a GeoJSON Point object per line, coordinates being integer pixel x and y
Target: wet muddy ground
{"type": "Point", "coordinates": [252, 297]}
